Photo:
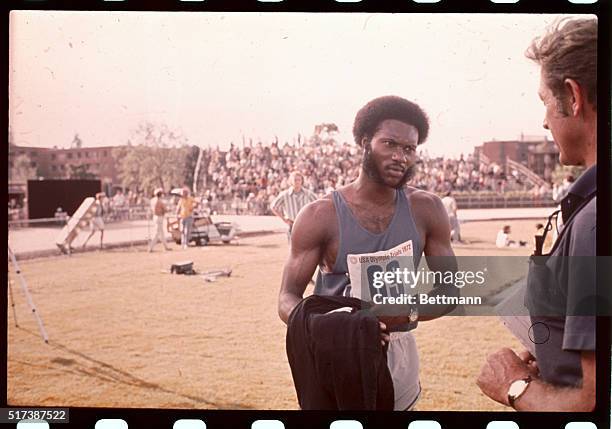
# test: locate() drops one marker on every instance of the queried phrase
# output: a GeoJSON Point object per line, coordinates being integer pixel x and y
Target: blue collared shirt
{"type": "Point", "coordinates": [567, 281]}
{"type": "Point", "coordinates": [580, 190]}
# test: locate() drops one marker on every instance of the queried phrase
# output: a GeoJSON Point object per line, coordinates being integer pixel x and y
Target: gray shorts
{"type": "Point", "coordinates": [96, 224]}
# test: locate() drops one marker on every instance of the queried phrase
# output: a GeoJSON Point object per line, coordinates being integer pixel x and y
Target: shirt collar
{"type": "Point", "coordinates": [586, 183]}
{"type": "Point", "coordinates": [579, 191]}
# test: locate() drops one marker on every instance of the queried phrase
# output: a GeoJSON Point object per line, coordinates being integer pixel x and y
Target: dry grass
{"type": "Point", "coordinates": [124, 334]}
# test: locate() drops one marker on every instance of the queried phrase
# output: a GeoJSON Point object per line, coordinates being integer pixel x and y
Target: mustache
{"type": "Point", "coordinates": [398, 166]}
{"type": "Point", "coordinates": [373, 172]}
{"type": "Point", "coordinates": [409, 173]}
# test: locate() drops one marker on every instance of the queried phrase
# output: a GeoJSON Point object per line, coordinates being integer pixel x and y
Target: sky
{"type": "Point", "coordinates": [217, 78]}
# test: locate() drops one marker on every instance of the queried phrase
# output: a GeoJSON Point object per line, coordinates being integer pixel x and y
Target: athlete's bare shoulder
{"type": "Point", "coordinates": [421, 196]}
{"type": "Point", "coordinates": [323, 208]}
{"type": "Point", "coordinates": [425, 205]}
{"type": "Point", "coordinates": [317, 218]}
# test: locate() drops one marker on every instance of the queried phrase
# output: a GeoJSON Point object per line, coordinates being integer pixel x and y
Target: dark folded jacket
{"type": "Point", "coordinates": [337, 361]}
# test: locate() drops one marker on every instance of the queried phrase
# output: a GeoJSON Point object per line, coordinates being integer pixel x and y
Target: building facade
{"type": "Point", "coordinates": [55, 163]}
{"type": "Point", "coordinates": [539, 155]}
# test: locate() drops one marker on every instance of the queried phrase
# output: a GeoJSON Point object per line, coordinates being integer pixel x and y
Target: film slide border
{"type": "Point", "coordinates": [138, 418]}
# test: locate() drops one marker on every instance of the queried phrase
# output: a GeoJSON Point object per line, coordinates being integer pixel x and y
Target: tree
{"type": "Point", "coordinates": [80, 172]}
{"type": "Point", "coordinates": [155, 156]}
{"type": "Point", "coordinates": [22, 170]}
{"type": "Point", "coordinates": [324, 133]}
{"type": "Point", "coordinates": [327, 128]}
{"type": "Point", "coordinates": [561, 172]}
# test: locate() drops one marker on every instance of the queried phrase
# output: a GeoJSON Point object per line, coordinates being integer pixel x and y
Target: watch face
{"type": "Point", "coordinates": [517, 387]}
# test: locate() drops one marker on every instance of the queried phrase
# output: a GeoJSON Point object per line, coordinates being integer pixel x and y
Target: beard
{"type": "Point", "coordinates": [373, 172]}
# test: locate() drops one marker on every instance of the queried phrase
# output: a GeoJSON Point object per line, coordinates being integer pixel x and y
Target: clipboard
{"type": "Point", "coordinates": [515, 316]}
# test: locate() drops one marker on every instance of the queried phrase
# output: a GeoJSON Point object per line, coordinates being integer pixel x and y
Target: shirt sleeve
{"type": "Point", "coordinates": [279, 201]}
{"type": "Point", "coordinates": [311, 196]}
{"type": "Point", "coordinates": [579, 333]}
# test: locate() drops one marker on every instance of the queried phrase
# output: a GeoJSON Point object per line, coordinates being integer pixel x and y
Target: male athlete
{"type": "Point", "coordinates": [375, 218]}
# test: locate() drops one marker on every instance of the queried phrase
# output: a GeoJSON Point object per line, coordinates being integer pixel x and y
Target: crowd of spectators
{"type": "Point", "coordinates": [125, 206]}
{"type": "Point", "coordinates": [246, 180]}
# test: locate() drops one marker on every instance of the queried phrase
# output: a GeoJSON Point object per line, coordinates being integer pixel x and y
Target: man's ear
{"type": "Point", "coordinates": [576, 96]}
{"type": "Point", "coordinates": [364, 142]}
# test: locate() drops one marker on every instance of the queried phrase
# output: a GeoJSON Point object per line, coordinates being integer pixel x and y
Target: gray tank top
{"type": "Point", "coordinates": [355, 239]}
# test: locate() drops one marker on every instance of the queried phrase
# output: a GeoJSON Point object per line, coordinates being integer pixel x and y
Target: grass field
{"type": "Point", "coordinates": [125, 334]}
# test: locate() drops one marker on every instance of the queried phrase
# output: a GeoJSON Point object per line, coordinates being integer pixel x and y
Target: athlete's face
{"type": "Point", "coordinates": [390, 156]}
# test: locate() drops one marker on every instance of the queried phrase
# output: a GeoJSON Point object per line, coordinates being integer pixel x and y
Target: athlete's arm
{"type": "Point", "coordinates": [437, 248]}
{"type": "Point", "coordinates": [308, 239]}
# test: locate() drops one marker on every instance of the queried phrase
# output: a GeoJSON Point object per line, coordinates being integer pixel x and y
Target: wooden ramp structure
{"type": "Point", "coordinates": [79, 220]}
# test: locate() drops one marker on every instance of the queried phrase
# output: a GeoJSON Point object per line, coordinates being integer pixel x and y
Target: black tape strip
{"type": "Point", "coordinates": [444, 6]}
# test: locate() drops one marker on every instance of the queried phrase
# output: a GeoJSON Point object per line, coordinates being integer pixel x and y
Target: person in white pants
{"type": "Point", "coordinates": [159, 210]}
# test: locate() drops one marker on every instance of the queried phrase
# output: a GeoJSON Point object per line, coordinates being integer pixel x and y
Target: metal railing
{"type": "Point", "coordinates": [476, 201]}
{"type": "Point", "coordinates": [234, 207]}
{"type": "Point", "coordinates": [49, 221]}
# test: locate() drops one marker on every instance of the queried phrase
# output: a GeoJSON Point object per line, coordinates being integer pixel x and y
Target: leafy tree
{"type": "Point", "coordinates": [324, 133]}
{"type": "Point", "coordinates": [326, 128]}
{"type": "Point", "coordinates": [561, 172]}
{"type": "Point", "coordinates": [23, 169]}
{"type": "Point", "coordinates": [80, 172]}
{"type": "Point", "coordinates": [155, 156]}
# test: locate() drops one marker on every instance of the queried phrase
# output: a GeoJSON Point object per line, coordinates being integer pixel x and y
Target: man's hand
{"type": "Point", "coordinates": [501, 369]}
{"type": "Point", "coordinates": [288, 221]}
{"type": "Point", "coordinates": [531, 362]}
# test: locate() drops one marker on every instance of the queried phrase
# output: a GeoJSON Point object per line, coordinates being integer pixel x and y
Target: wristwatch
{"type": "Point", "coordinates": [517, 388]}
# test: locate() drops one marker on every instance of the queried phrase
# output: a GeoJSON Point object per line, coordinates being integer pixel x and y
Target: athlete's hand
{"type": "Point", "coordinates": [391, 321]}
{"type": "Point", "coordinates": [384, 336]}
